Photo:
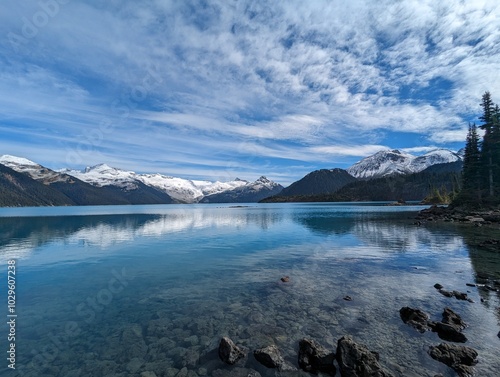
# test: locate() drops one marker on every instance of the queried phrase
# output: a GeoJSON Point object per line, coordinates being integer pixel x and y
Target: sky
{"type": "Point", "coordinates": [222, 89]}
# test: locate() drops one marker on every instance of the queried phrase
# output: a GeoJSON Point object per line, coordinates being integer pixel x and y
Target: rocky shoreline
{"type": "Point", "coordinates": [446, 214]}
{"type": "Point", "coordinates": [353, 359]}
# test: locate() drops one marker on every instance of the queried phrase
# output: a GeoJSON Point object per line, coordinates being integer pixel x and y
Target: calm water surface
{"type": "Point", "coordinates": [118, 291]}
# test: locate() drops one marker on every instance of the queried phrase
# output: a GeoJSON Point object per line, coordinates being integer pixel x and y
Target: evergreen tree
{"type": "Point", "coordinates": [495, 151]}
{"type": "Point", "coordinates": [481, 164]}
{"type": "Point", "coordinates": [488, 144]}
{"type": "Point", "coordinates": [471, 179]}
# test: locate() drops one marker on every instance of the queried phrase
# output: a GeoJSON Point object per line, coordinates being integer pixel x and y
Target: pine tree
{"type": "Point", "coordinates": [481, 164]}
{"type": "Point", "coordinates": [471, 179]}
{"type": "Point", "coordinates": [488, 145]}
{"type": "Point", "coordinates": [495, 151]}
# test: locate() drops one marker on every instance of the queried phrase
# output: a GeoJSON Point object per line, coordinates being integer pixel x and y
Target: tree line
{"type": "Point", "coordinates": [481, 168]}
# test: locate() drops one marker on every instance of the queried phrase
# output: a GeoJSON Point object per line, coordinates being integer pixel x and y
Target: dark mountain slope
{"type": "Point", "coordinates": [406, 187]}
{"type": "Point", "coordinates": [324, 181]}
{"type": "Point", "coordinates": [20, 190]}
{"type": "Point", "coordinates": [251, 193]}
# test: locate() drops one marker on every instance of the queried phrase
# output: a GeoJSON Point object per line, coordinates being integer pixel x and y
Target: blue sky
{"type": "Point", "coordinates": [225, 89]}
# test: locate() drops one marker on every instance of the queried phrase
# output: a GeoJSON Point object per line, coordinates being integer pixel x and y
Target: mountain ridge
{"type": "Point", "coordinates": [103, 184]}
{"type": "Point", "coordinates": [388, 162]}
{"type": "Point", "coordinates": [180, 189]}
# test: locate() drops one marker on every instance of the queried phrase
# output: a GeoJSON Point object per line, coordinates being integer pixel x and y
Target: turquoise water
{"type": "Point", "coordinates": [118, 291]}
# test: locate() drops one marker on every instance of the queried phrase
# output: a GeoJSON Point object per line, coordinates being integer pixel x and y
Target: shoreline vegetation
{"type": "Point", "coordinates": [478, 201]}
{"type": "Point", "coordinates": [474, 193]}
{"type": "Point", "coordinates": [481, 166]}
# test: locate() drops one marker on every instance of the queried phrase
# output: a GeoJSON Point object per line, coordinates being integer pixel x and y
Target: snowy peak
{"type": "Point", "coordinates": [389, 162]}
{"type": "Point", "coordinates": [180, 189]}
{"type": "Point", "coordinates": [10, 161]}
{"type": "Point", "coordinates": [438, 156]}
{"type": "Point", "coordinates": [34, 170]}
{"type": "Point", "coordinates": [104, 175]}
{"type": "Point", "coordinates": [245, 192]}
{"type": "Point", "coordinates": [381, 164]}
{"type": "Point", "coordinates": [102, 168]}
{"type": "Point", "coordinates": [264, 182]}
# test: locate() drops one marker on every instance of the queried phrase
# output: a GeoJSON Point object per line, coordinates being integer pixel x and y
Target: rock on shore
{"type": "Point", "coordinates": [459, 358]}
{"type": "Point", "coordinates": [355, 360]}
{"type": "Point", "coordinates": [270, 357]}
{"type": "Point", "coordinates": [315, 358]}
{"type": "Point", "coordinates": [229, 352]}
{"type": "Point", "coordinates": [478, 218]}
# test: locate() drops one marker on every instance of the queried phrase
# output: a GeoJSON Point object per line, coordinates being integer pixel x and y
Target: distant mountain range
{"type": "Point", "coordinates": [390, 162]}
{"type": "Point", "coordinates": [102, 184]}
{"type": "Point", "coordinates": [386, 175]}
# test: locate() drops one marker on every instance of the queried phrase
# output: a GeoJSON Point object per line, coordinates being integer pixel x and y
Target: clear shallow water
{"type": "Point", "coordinates": [116, 291]}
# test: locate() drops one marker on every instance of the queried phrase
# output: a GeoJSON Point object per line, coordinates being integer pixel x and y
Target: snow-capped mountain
{"type": "Point", "coordinates": [438, 156]}
{"type": "Point", "coordinates": [103, 184]}
{"type": "Point", "coordinates": [181, 190]}
{"type": "Point", "coordinates": [66, 189]}
{"type": "Point", "coordinates": [391, 162]}
{"type": "Point", "coordinates": [34, 170]}
{"type": "Point", "coordinates": [249, 192]}
{"type": "Point", "coordinates": [185, 190]}
{"type": "Point", "coordinates": [103, 175]}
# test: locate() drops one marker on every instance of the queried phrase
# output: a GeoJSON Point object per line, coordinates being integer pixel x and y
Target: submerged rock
{"type": "Point", "coordinates": [356, 360]}
{"type": "Point", "coordinates": [449, 329]}
{"type": "Point", "coordinates": [458, 295]}
{"type": "Point", "coordinates": [459, 358]}
{"type": "Point", "coordinates": [449, 332]}
{"type": "Point", "coordinates": [133, 343]}
{"type": "Point", "coordinates": [285, 279]}
{"type": "Point", "coordinates": [236, 372]}
{"type": "Point", "coordinates": [229, 352]}
{"type": "Point", "coordinates": [452, 318]}
{"type": "Point", "coordinates": [269, 356]}
{"type": "Point", "coordinates": [446, 293]}
{"type": "Point", "coordinates": [314, 358]}
{"type": "Point", "coordinates": [416, 318]}
{"type": "Point", "coordinates": [348, 298]}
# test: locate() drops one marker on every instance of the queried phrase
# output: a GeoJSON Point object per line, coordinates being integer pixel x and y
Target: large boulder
{"type": "Point", "coordinates": [453, 319]}
{"type": "Point", "coordinates": [449, 333]}
{"type": "Point", "coordinates": [314, 358]}
{"type": "Point", "coordinates": [459, 358]}
{"type": "Point", "coordinates": [229, 352]}
{"type": "Point", "coordinates": [356, 360]}
{"type": "Point", "coordinates": [270, 357]}
{"type": "Point", "coordinates": [450, 327]}
{"type": "Point", "coordinates": [416, 319]}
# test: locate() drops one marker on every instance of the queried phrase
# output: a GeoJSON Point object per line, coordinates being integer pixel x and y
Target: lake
{"type": "Point", "coordinates": [122, 290]}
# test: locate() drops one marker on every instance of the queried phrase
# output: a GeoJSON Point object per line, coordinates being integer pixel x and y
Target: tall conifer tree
{"type": "Point", "coordinates": [471, 179]}
{"type": "Point", "coordinates": [488, 145]}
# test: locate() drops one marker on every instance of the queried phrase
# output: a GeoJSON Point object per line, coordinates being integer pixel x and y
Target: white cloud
{"type": "Point", "coordinates": [305, 81]}
{"type": "Point", "coordinates": [347, 150]}
{"type": "Point", "coordinates": [449, 136]}
{"type": "Point", "coordinates": [419, 150]}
